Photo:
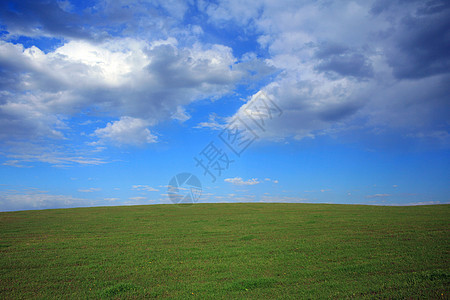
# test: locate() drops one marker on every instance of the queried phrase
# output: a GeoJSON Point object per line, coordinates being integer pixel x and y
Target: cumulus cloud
{"type": "Point", "coordinates": [141, 83]}
{"type": "Point", "coordinates": [126, 131]}
{"type": "Point", "coordinates": [240, 181]}
{"type": "Point", "coordinates": [384, 68]}
{"type": "Point", "coordinates": [122, 76]}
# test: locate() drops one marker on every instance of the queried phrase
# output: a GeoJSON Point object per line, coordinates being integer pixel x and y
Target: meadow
{"type": "Point", "coordinates": [223, 251]}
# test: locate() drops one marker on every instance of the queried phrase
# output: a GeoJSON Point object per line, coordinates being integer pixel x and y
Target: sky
{"type": "Point", "coordinates": [105, 102]}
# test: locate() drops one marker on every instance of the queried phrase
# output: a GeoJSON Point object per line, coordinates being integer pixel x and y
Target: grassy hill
{"type": "Point", "coordinates": [226, 251]}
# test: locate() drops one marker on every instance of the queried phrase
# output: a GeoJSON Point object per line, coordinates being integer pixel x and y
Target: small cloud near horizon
{"type": "Point", "coordinates": [240, 181]}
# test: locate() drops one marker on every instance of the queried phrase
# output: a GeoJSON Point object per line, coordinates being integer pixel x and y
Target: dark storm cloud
{"type": "Point", "coordinates": [101, 19]}
{"type": "Point", "coordinates": [421, 42]}
{"type": "Point", "coordinates": [426, 7]}
{"type": "Point", "coordinates": [381, 6]}
{"type": "Point", "coordinates": [35, 17]}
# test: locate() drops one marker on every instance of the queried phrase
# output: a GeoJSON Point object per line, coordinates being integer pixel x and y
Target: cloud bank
{"type": "Point", "coordinates": [364, 70]}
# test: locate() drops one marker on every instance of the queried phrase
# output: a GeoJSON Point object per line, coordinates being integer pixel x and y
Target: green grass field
{"type": "Point", "coordinates": [226, 251]}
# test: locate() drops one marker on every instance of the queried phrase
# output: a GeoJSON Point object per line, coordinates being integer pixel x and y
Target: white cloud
{"type": "Point", "coordinates": [345, 79]}
{"type": "Point", "coordinates": [144, 188]}
{"type": "Point", "coordinates": [14, 163]}
{"type": "Point", "coordinates": [212, 123]}
{"type": "Point", "coordinates": [23, 152]}
{"type": "Point", "coordinates": [271, 180]}
{"type": "Point", "coordinates": [139, 82]}
{"type": "Point", "coordinates": [240, 181]}
{"type": "Point", "coordinates": [363, 74]}
{"type": "Point", "coordinates": [107, 64]}
{"type": "Point", "coordinates": [140, 79]}
{"type": "Point", "coordinates": [181, 115]}
{"type": "Point", "coordinates": [126, 131]}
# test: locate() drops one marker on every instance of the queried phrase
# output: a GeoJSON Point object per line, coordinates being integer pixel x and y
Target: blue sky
{"type": "Point", "coordinates": [103, 102]}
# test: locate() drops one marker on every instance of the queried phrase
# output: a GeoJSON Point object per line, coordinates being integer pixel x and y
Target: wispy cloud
{"type": "Point", "coordinates": [30, 198]}
{"type": "Point", "coordinates": [212, 123]}
{"type": "Point", "coordinates": [111, 199]}
{"type": "Point", "coordinates": [426, 203]}
{"type": "Point", "coordinates": [288, 199]}
{"type": "Point", "coordinates": [89, 190]}
{"type": "Point", "coordinates": [15, 163]}
{"type": "Point", "coordinates": [415, 203]}
{"type": "Point", "coordinates": [378, 196]}
{"type": "Point", "coordinates": [137, 198]}
{"type": "Point", "coordinates": [25, 154]}
{"type": "Point", "coordinates": [146, 188]}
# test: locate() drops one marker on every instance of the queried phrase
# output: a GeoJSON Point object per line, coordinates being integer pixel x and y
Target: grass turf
{"type": "Point", "coordinates": [221, 251]}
